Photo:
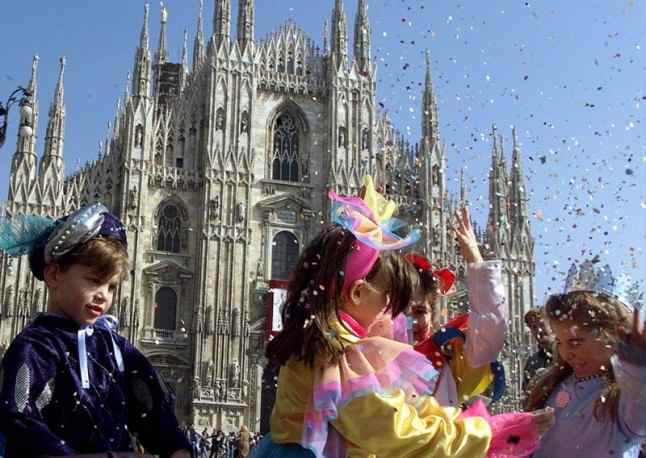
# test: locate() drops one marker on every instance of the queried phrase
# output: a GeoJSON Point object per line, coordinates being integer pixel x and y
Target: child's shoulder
{"type": "Point", "coordinates": [39, 338]}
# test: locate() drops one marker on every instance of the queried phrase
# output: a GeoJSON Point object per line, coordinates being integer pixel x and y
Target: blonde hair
{"type": "Point", "coordinates": [593, 311]}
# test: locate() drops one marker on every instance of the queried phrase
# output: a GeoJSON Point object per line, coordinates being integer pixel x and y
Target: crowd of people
{"type": "Point", "coordinates": [218, 444]}
{"type": "Point", "coordinates": [366, 366]}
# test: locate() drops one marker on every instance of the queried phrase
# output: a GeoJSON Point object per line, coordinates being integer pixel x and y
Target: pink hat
{"type": "Point", "coordinates": [370, 221]}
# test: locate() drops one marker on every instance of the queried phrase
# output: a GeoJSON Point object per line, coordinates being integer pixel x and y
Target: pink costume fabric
{"type": "Point", "coordinates": [513, 434]}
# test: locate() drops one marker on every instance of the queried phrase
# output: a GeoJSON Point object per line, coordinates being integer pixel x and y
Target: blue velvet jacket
{"type": "Point", "coordinates": [45, 410]}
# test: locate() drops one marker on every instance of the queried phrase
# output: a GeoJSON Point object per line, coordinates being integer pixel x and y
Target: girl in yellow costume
{"type": "Point", "coordinates": [344, 394]}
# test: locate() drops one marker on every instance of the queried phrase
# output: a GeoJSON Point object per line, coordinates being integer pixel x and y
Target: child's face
{"type": "Point", "coordinates": [582, 348]}
{"type": "Point", "coordinates": [79, 293]}
{"type": "Point", "coordinates": [542, 333]}
{"type": "Point", "coordinates": [369, 299]}
{"type": "Point", "coordinates": [421, 310]}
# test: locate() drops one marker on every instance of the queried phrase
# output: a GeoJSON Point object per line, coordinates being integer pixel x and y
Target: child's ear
{"type": "Point", "coordinates": [355, 292]}
{"type": "Point", "coordinates": [51, 274]}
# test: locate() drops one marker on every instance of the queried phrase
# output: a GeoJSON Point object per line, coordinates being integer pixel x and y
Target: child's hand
{"type": "Point", "coordinates": [466, 237]}
{"type": "Point", "coordinates": [632, 344]}
{"type": "Point", "coordinates": [544, 419]}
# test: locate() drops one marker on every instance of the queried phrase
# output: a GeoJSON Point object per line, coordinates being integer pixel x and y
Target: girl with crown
{"type": "Point", "coordinates": [596, 384]}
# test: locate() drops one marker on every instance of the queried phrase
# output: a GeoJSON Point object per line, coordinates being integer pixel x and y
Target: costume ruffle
{"type": "Point", "coordinates": [373, 365]}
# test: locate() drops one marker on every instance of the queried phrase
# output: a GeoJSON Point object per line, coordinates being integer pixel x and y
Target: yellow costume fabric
{"type": "Point", "coordinates": [470, 381]}
{"type": "Point", "coordinates": [382, 424]}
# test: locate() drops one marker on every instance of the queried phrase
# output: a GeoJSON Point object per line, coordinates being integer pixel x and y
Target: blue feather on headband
{"type": "Point", "coordinates": [19, 233]}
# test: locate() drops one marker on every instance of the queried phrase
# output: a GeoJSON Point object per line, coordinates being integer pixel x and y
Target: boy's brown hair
{"type": "Point", "coordinates": [106, 256]}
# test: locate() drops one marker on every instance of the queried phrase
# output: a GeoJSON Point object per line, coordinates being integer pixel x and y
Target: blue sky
{"type": "Point", "coordinates": [568, 75]}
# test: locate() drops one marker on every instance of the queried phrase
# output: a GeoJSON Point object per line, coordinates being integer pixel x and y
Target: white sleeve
{"type": "Point", "coordinates": [487, 323]}
{"type": "Point", "coordinates": [632, 400]}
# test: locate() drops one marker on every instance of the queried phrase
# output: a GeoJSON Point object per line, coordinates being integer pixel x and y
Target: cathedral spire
{"type": "Point", "coordinates": [498, 221]}
{"type": "Point", "coordinates": [185, 52]}
{"type": "Point", "coordinates": [518, 195]}
{"type": "Point", "coordinates": [245, 22]}
{"type": "Point", "coordinates": [362, 37]}
{"type": "Point", "coordinates": [339, 35]}
{"type": "Point", "coordinates": [23, 162]}
{"type": "Point", "coordinates": [326, 32]}
{"type": "Point", "coordinates": [141, 73]}
{"type": "Point", "coordinates": [222, 21]}
{"type": "Point", "coordinates": [429, 105]}
{"type": "Point", "coordinates": [162, 53]}
{"type": "Point", "coordinates": [33, 85]}
{"type": "Point", "coordinates": [54, 138]}
{"type": "Point", "coordinates": [126, 89]}
{"type": "Point", "coordinates": [198, 46]}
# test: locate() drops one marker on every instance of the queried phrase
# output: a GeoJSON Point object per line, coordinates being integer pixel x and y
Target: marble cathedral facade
{"type": "Point", "coordinates": [220, 170]}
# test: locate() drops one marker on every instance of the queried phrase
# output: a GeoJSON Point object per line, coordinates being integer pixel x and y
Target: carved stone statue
{"type": "Point", "coordinates": [208, 376]}
{"type": "Point", "coordinates": [8, 305]}
{"type": "Point", "coordinates": [123, 313]}
{"type": "Point", "coordinates": [235, 323]}
{"type": "Point", "coordinates": [10, 263]}
{"type": "Point", "coordinates": [139, 136]}
{"type": "Point", "coordinates": [342, 137]}
{"type": "Point", "coordinates": [135, 319]}
{"type": "Point", "coordinates": [198, 321]}
{"type": "Point", "coordinates": [209, 320]}
{"type": "Point", "coordinates": [244, 124]}
{"type": "Point", "coordinates": [241, 210]}
{"type": "Point", "coordinates": [234, 373]}
{"type": "Point", "coordinates": [260, 268]}
{"type": "Point", "coordinates": [365, 139]}
{"type": "Point", "coordinates": [25, 301]}
{"type": "Point", "coordinates": [219, 120]}
{"type": "Point", "coordinates": [219, 392]}
{"type": "Point", "coordinates": [132, 198]}
{"type": "Point", "coordinates": [214, 206]}
{"type": "Point", "coordinates": [36, 303]}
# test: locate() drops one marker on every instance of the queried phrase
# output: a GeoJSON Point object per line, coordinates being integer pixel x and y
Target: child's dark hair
{"type": "Point", "coordinates": [315, 292]}
{"type": "Point", "coordinates": [105, 255]}
{"type": "Point", "coordinates": [590, 310]}
{"type": "Point", "coordinates": [428, 282]}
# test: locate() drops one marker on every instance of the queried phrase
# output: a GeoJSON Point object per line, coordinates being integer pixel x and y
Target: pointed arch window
{"type": "Point", "coordinates": [284, 255]}
{"type": "Point", "coordinates": [169, 229]}
{"type": "Point", "coordinates": [165, 308]}
{"type": "Point", "coordinates": [285, 154]}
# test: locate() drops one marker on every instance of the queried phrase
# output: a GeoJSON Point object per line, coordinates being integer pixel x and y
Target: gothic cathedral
{"type": "Point", "coordinates": [220, 171]}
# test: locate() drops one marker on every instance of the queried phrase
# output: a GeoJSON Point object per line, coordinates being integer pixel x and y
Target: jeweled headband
{"type": "Point", "coordinates": [42, 237]}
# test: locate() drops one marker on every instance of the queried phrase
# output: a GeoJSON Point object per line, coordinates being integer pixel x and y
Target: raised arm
{"type": "Point", "coordinates": [487, 323]}
{"type": "Point", "coordinates": [629, 365]}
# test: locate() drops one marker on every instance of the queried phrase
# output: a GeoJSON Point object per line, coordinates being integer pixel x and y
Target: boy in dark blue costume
{"type": "Point", "coordinates": [69, 384]}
